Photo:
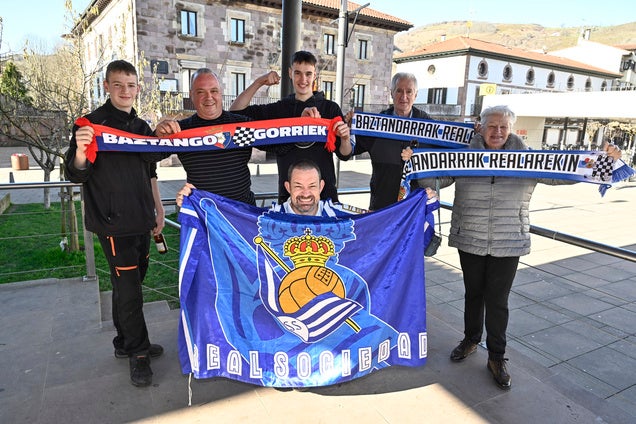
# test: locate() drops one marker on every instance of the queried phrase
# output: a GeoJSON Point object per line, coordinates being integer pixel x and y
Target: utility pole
{"type": "Point", "coordinates": [292, 17]}
{"type": "Point", "coordinates": [340, 56]}
{"type": "Point", "coordinates": [343, 40]}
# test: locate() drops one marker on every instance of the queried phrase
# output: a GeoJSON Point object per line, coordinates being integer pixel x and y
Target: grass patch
{"type": "Point", "coordinates": [30, 239]}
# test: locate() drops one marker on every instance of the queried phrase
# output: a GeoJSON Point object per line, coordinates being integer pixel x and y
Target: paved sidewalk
{"type": "Point", "coordinates": [572, 340]}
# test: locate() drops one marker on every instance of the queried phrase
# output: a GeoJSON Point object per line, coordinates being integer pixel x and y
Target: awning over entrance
{"type": "Point", "coordinates": [611, 105]}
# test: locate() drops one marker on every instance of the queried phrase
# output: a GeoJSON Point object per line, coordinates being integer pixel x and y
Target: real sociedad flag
{"type": "Point", "coordinates": [286, 300]}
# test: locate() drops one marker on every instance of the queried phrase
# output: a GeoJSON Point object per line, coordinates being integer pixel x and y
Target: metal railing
{"type": "Point", "coordinates": [618, 252]}
{"type": "Point", "coordinates": [262, 197]}
{"type": "Point", "coordinates": [91, 272]}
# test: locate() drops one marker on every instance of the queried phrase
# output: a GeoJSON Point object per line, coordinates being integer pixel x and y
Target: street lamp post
{"type": "Point", "coordinates": [343, 41]}
{"type": "Point", "coordinates": [340, 56]}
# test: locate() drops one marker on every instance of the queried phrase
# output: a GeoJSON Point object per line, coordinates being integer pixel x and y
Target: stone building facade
{"type": "Point", "coordinates": [239, 40]}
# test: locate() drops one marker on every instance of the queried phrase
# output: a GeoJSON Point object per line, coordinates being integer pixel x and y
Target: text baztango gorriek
{"type": "Point", "coordinates": [494, 160]}
{"type": "Point", "coordinates": [215, 139]}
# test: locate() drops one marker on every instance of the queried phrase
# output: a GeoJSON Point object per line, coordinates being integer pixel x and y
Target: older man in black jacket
{"type": "Point", "coordinates": [387, 156]}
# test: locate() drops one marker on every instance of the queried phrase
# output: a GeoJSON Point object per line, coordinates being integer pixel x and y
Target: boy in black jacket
{"type": "Point", "coordinates": [123, 207]}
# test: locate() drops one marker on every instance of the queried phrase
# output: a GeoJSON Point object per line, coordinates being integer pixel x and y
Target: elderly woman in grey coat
{"type": "Point", "coordinates": [490, 227]}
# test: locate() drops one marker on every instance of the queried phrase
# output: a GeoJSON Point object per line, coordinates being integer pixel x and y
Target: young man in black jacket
{"type": "Point", "coordinates": [123, 207]}
{"type": "Point", "coordinates": [303, 102]}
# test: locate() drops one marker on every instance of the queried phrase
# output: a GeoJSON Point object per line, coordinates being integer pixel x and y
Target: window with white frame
{"type": "Point", "coordinates": [362, 49]}
{"type": "Point", "coordinates": [237, 30]}
{"type": "Point", "coordinates": [98, 87]}
{"type": "Point", "coordinates": [327, 88]}
{"type": "Point", "coordinates": [437, 96]}
{"type": "Point", "coordinates": [189, 23]}
{"type": "Point", "coordinates": [530, 77]}
{"type": "Point", "coordinates": [551, 79]}
{"type": "Point", "coordinates": [359, 96]}
{"type": "Point", "coordinates": [238, 83]}
{"type": "Point", "coordinates": [507, 73]}
{"type": "Point", "coordinates": [482, 69]}
{"type": "Point", "coordinates": [330, 44]}
{"type": "Point", "coordinates": [186, 76]}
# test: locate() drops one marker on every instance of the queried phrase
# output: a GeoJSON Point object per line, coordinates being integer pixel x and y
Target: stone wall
{"type": "Point", "coordinates": [158, 35]}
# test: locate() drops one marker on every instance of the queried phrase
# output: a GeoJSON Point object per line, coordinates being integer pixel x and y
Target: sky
{"type": "Point", "coordinates": [44, 28]}
{"type": "Point", "coordinates": [547, 13]}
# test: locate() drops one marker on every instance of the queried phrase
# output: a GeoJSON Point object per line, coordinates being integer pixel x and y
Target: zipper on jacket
{"type": "Point", "coordinates": [490, 212]}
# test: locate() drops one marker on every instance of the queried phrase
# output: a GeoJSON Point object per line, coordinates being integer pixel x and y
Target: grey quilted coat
{"type": "Point", "coordinates": [491, 214]}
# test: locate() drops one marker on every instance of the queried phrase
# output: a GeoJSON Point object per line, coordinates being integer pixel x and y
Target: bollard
{"type": "Point", "coordinates": [19, 162]}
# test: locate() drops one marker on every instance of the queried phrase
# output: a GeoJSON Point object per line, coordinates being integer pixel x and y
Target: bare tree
{"type": "Point", "coordinates": [154, 103]}
{"type": "Point", "coordinates": [57, 85]}
{"type": "Point", "coordinates": [39, 104]}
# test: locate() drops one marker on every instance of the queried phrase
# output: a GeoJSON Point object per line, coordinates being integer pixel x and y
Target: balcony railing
{"type": "Point", "coordinates": [227, 101]}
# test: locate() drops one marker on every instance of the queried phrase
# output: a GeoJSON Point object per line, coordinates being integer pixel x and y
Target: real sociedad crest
{"type": "Point", "coordinates": [309, 299]}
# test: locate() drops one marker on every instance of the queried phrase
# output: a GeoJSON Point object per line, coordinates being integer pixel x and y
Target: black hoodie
{"type": "Point", "coordinates": [287, 154]}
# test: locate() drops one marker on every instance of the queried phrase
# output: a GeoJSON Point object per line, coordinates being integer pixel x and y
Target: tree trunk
{"type": "Point", "coordinates": [69, 216]}
{"type": "Point", "coordinates": [47, 191]}
{"type": "Point", "coordinates": [74, 244]}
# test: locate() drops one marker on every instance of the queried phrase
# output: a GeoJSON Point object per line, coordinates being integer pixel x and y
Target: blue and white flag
{"type": "Point", "coordinates": [284, 300]}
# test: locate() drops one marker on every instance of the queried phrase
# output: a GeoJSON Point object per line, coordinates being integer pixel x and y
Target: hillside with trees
{"type": "Point", "coordinates": [524, 36]}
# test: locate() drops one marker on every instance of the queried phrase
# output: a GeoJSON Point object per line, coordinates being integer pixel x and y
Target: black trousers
{"type": "Point", "coordinates": [487, 280]}
{"type": "Point", "coordinates": [128, 261]}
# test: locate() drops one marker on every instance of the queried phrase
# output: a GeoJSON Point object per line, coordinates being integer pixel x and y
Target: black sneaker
{"type": "Point", "coordinates": [155, 351]}
{"type": "Point", "coordinates": [497, 368]}
{"type": "Point", "coordinates": [140, 372]}
{"type": "Point", "coordinates": [465, 348]}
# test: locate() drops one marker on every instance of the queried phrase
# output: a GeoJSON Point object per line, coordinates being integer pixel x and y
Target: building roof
{"type": "Point", "coordinates": [582, 104]}
{"type": "Point", "coordinates": [366, 13]}
{"type": "Point", "coordinates": [464, 45]}
{"type": "Point", "coordinates": [629, 47]}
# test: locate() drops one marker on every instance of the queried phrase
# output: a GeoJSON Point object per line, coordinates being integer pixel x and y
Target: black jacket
{"type": "Point", "coordinates": [287, 154]}
{"type": "Point", "coordinates": [117, 190]}
{"type": "Point", "coordinates": [387, 163]}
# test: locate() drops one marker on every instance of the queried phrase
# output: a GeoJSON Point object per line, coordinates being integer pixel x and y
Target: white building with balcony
{"type": "Point", "coordinates": [457, 72]}
{"type": "Point", "coordinates": [456, 77]}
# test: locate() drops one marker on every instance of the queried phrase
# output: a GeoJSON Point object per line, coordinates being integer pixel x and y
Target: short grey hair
{"type": "Point", "coordinates": [400, 76]}
{"type": "Point", "coordinates": [497, 110]}
{"type": "Point", "coordinates": [203, 71]}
